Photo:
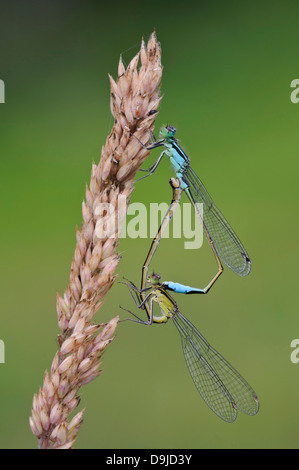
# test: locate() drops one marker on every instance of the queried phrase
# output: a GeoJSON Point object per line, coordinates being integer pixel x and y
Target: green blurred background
{"type": "Point", "coordinates": [226, 84]}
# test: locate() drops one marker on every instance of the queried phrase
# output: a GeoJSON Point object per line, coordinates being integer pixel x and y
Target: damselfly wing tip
{"type": "Point", "coordinates": [247, 266]}
{"type": "Point", "coordinates": [247, 259]}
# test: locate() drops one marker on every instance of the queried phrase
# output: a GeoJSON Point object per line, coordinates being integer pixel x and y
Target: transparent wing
{"type": "Point", "coordinates": [229, 248]}
{"type": "Point", "coordinates": [223, 389]}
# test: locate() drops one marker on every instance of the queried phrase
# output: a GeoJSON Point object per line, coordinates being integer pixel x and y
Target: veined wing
{"type": "Point", "coordinates": [223, 389]}
{"type": "Point", "coordinates": [228, 246]}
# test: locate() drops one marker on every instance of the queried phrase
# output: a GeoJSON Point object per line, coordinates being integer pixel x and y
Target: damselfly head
{"type": "Point", "coordinates": [154, 278]}
{"type": "Point", "coordinates": [167, 132]}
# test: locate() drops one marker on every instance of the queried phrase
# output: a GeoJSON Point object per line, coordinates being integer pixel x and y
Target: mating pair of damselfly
{"type": "Point", "coordinates": [223, 389]}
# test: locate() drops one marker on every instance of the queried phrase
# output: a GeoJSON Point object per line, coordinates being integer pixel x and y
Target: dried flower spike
{"type": "Point", "coordinates": [135, 96]}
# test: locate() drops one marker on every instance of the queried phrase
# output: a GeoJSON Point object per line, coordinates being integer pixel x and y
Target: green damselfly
{"type": "Point", "coordinates": [223, 389]}
{"type": "Point", "coordinates": [228, 246]}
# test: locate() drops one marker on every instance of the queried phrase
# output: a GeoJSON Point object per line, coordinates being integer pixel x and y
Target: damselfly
{"type": "Point", "coordinates": [223, 389]}
{"type": "Point", "coordinates": [228, 246]}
